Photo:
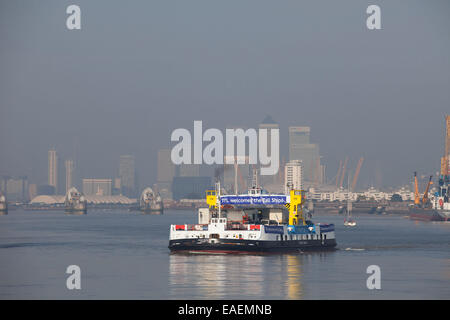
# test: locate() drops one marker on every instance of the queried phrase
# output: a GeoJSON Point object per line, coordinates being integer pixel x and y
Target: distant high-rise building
{"type": "Point", "coordinates": [188, 170]}
{"type": "Point", "coordinates": [293, 174]}
{"type": "Point", "coordinates": [127, 175]}
{"type": "Point", "coordinates": [97, 187]}
{"type": "Point", "coordinates": [300, 148]}
{"type": "Point", "coordinates": [69, 174]}
{"type": "Point", "coordinates": [53, 169]}
{"type": "Point", "coordinates": [32, 191]}
{"type": "Point", "coordinates": [15, 189]}
{"type": "Point", "coordinates": [166, 171]}
{"type": "Point", "coordinates": [269, 124]}
{"type": "Point", "coordinates": [166, 168]}
{"type": "Point", "coordinates": [190, 187]}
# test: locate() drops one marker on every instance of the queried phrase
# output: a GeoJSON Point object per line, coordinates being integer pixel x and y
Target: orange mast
{"type": "Point", "coordinates": [416, 190]}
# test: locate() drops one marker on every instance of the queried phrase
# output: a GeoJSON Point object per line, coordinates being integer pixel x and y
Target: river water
{"type": "Point", "coordinates": [124, 255]}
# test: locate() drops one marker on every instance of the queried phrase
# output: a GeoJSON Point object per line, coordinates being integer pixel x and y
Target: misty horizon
{"type": "Point", "coordinates": [132, 75]}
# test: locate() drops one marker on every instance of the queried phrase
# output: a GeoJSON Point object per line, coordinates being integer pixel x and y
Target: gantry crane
{"type": "Point", "coordinates": [358, 169]}
{"type": "Point", "coordinates": [425, 198]}
{"type": "Point", "coordinates": [416, 190]}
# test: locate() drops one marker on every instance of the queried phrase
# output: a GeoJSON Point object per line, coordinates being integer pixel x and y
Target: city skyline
{"type": "Point", "coordinates": [299, 136]}
{"type": "Point", "coordinates": [219, 151]}
{"type": "Point", "coordinates": [271, 67]}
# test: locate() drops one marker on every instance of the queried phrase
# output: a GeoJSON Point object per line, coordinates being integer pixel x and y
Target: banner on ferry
{"type": "Point", "coordinates": [263, 199]}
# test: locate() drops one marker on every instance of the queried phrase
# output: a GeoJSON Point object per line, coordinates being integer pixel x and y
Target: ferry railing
{"type": "Point", "coordinates": [242, 226]}
{"type": "Point", "coordinates": [204, 227]}
{"type": "Point", "coordinates": [190, 227]}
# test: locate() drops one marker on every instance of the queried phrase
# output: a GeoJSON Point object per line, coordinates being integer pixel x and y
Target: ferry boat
{"type": "Point", "coordinates": [74, 202]}
{"type": "Point", "coordinates": [3, 205]}
{"type": "Point", "coordinates": [253, 222]}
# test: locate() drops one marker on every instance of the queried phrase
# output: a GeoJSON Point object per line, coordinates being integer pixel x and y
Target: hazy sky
{"type": "Point", "coordinates": [137, 70]}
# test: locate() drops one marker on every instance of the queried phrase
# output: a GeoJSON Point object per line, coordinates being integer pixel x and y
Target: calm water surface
{"type": "Point", "coordinates": [124, 255]}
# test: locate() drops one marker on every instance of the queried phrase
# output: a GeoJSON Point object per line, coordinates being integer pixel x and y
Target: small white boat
{"type": "Point", "coordinates": [3, 205]}
{"type": "Point", "coordinates": [349, 222]}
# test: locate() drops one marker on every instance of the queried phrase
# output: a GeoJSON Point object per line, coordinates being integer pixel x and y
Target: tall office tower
{"type": "Point", "coordinates": [189, 170]}
{"type": "Point", "coordinates": [166, 171]}
{"type": "Point", "coordinates": [32, 191]}
{"type": "Point", "coordinates": [300, 148]}
{"type": "Point", "coordinates": [53, 169]}
{"type": "Point", "coordinates": [166, 168]}
{"type": "Point", "coordinates": [127, 175]}
{"type": "Point", "coordinates": [15, 189]}
{"type": "Point", "coordinates": [293, 175]}
{"type": "Point", "coordinates": [69, 174]}
{"type": "Point", "coordinates": [269, 124]}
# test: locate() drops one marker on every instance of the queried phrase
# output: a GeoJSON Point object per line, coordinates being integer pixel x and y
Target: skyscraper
{"type": "Point", "coordinates": [166, 168]}
{"type": "Point", "coordinates": [166, 171]}
{"type": "Point", "coordinates": [53, 169]}
{"type": "Point", "coordinates": [269, 124]}
{"type": "Point", "coordinates": [293, 175]}
{"type": "Point", "coordinates": [15, 189]}
{"type": "Point", "coordinates": [127, 175]}
{"type": "Point", "coordinates": [300, 148]}
{"type": "Point", "coordinates": [69, 174]}
{"type": "Point", "coordinates": [188, 170]}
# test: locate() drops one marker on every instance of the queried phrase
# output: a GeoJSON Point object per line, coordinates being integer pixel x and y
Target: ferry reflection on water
{"type": "Point", "coordinates": [239, 276]}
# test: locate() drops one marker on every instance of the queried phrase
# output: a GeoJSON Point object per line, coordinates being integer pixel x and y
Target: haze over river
{"type": "Point", "coordinates": [124, 255]}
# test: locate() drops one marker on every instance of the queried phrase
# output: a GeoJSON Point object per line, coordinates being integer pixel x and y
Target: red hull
{"type": "Point", "coordinates": [426, 217]}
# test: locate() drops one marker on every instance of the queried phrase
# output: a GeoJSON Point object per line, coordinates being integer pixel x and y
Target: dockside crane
{"type": "Point", "coordinates": [416, 190]}
{"type": "Point", "coordinates": [425, 198]}
{"type": "Point", "coordinates": [358, 169]}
